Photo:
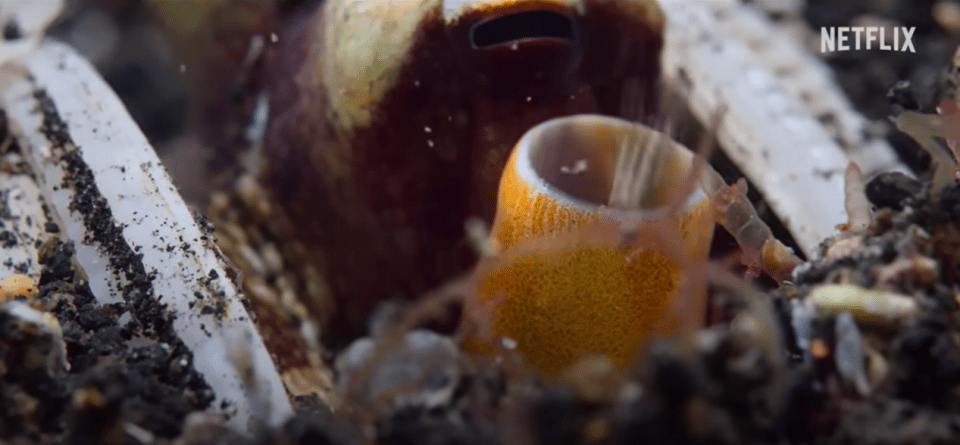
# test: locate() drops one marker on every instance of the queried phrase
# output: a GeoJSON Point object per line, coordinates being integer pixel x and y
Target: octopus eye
{"type": "Point", "coordinates": [522, 26]}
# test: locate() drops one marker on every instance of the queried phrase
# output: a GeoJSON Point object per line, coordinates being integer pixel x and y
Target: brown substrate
{"type": "Point", "coordinates": [744, 379]}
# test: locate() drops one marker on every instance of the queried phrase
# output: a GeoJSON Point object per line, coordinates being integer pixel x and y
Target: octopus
{"type": "Point", "coordinates": [391, 122]}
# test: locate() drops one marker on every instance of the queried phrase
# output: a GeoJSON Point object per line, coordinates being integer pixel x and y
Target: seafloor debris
{"type": "Point", "coordinates": [424, 365]}
{"type": "Point", "coordinates": [868, 306]}
{"type": "Point", "coordinates": [135, 247]}
{"type": "Point", "coordinates": [111, 386]}
{"type": "Point", "coordinates": [17, 285]}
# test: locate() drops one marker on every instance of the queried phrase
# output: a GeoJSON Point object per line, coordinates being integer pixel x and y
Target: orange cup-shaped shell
{"type": "Point", "coordinates": [560, 295]}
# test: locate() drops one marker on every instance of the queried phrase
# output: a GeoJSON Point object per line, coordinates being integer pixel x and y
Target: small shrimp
{"type": "Point", "coordinates": [760, 250]}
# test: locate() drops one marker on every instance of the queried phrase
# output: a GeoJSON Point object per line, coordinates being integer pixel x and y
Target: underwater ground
{"type": "Point", "coordinates": [859, 346]}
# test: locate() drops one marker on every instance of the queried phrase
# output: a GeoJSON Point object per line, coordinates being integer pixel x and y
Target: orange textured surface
{"type": "Point", "coordinates": [563, 305]}
{"type": "Point", "coordinates": [580, 296]}
{"type": "Point", "coordinates": [17, 285]}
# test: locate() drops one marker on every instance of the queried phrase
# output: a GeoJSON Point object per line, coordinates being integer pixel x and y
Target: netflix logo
{"type": "Point", "coordinates": [856, 38]}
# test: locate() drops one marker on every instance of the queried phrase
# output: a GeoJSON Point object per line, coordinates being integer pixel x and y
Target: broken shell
{"type": "Point", "coordinates": [843, 245]}
{"type": "Point", "coordinates": [866, 305]}
{"type": "Point", "coordinates": [848, 355]}
{"type": "Point", "coordinates": [595, 379]}
{"type": "Point", "coordinates": [400, 116]}
{"type": "Point", "coordinates": [917, 268]}
{"type": "Point", "coordinates": [17, 285]}
{"type": "Point", "coordinates": [819, 349]}
{"type": "Point", "coordinates": [422, 370]}
{"type": "Point", "coordinates": [36, 338]}
{"type": "Point", "coordinates": [569, 286]}
{"type": "Point", "coordinates": [877, 367]}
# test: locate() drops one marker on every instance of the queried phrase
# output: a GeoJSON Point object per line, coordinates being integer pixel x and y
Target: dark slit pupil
{"type": "Point", "coordinates": [522, 25]}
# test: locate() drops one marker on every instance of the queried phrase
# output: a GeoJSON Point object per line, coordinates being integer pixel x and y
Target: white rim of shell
{"type": "Point", "coordinates": [538, 184]}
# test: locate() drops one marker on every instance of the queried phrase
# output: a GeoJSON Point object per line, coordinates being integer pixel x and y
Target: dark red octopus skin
{"type": "Point", "coordinates": [381, 208]}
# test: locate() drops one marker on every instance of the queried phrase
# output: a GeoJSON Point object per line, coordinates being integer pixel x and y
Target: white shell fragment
{"type": "Point", "coordinates": [22, 221]}
{"type": "Point", "coordinates": [849, 353]}
{"type": "Point", "coordinates": [723, 54]}
{"type": "Point", "coordinates": [866, 305]}
{"type": "Point", "coordinates": [810, 81]}
{"type": "Point", "coordinates": [801, 320]}
{"type": "Point", "coordinates": [41, 324]}
{"type": "Point", "coordinates": [423, 364]}
{"type": "Point", "coordinates": [23, 23]}
{"type": "Point", "coordinates": [133, 233]}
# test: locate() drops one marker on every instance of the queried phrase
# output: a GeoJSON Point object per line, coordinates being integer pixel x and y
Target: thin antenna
{"type": "Point", "coordinates": [639, 161]}
{"type": "Point", "coordinates": [639, 165]}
